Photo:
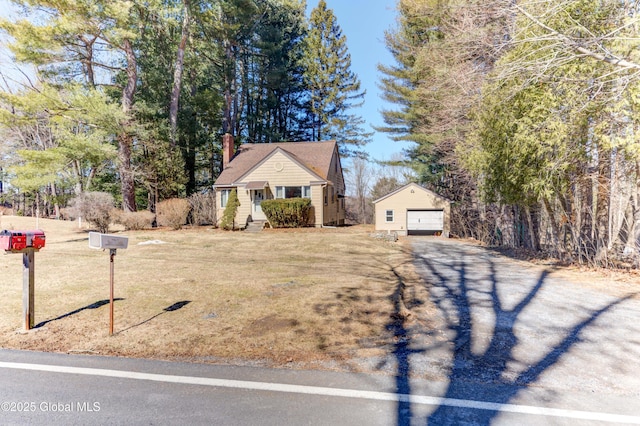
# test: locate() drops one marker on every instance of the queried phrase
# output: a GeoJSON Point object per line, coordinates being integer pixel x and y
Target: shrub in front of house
{"type": "Point", "coordinates": [203, 208]}
{"type": "Point", "coordinates": [228, 222]}
{"type": "Point", "coordinates": [173, 212]}
{"type": "Point", "coordinates": [287, 212]}
{"type": "Point", "coordinates": [94, 207]}
{"type": "Point", "coordinates": [134, 221]}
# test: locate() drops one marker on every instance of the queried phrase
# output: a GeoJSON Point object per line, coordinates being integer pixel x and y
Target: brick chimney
{"type": "Point", "coordinates": [227, 149]}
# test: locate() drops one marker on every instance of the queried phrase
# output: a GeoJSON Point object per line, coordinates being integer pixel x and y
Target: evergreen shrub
{"type": "Point", "coordinates": [287, 212]}
{"type": "Point", "coordinates": [229, 215]}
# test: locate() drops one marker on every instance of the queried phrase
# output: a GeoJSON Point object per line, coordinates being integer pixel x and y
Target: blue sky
{"type": "Point", "coordinates": [364, 23]}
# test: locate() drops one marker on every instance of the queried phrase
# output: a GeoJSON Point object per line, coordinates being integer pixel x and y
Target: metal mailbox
{"type": "Point", "coordinates": [18, 241]}
{"type": "Point", "coordinates": [107, 241]}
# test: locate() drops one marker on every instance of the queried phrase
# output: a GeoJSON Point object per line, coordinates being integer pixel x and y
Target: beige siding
{"type": "Point", "coordinates": [279, 170]}
{"type": "Point", "coordinates": [243, 211]}
{"type": "Point", "coordinates": [334, 213]}
{"type": "Point", "coordinates": [219, 209]}
{"type": "Point", "coordinates": [404, 200]}
{"type": "Point", "coordinates": [317, 204]}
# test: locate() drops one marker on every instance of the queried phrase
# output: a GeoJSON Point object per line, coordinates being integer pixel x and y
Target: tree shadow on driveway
{"type": "Point", "coordinates": [487, 305]}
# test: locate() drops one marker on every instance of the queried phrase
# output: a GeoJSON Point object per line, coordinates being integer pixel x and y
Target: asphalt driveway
{"type": "Point", "coordinates": [511, 333]}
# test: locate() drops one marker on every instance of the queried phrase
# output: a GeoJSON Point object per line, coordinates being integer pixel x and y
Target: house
{"type": "Point", "coordinates": [413, 210]}
{"type": "Point", "coordinates": [282, 170]}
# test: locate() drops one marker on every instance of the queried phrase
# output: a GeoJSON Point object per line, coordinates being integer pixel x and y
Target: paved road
{"type": "Point", "coordinates": [57, 389]}
{"type": "Point", "coordinates": [509, 345]}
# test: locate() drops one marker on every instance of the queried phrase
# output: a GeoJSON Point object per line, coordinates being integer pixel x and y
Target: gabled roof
{"type": "Point", "coordinates": [415, 185]}
{"type": "Point", "coordinates": [315, 156]}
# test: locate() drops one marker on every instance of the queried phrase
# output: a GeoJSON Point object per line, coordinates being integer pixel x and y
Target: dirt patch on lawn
{"type": "Point", "coordinates": [270, 324]}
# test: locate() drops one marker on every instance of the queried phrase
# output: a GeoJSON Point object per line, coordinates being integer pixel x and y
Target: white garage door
{"type": "Point", "coordinates": [425, 220]}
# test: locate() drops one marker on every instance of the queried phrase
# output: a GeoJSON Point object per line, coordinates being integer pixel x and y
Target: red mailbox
{"type": "Point", "coordinates": [17, 241]}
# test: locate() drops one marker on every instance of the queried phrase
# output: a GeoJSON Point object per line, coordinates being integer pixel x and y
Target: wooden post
{"type": "Point", "coordinates": [28, 291]}
{"type": "Point", "coordinates": [112, 254]}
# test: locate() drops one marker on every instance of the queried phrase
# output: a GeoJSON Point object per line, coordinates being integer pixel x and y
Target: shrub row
{"type": "Point", "coordinates": [288, 212]}
{"type": "Point", "coordinates": [98, 209]}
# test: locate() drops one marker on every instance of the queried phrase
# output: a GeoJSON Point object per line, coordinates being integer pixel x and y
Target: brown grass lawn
{"type": "Point", "coordinates": [307, 297]}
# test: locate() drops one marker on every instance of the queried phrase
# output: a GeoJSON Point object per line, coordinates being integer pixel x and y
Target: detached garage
{"type": "Point", "coordinates": [413, 210]}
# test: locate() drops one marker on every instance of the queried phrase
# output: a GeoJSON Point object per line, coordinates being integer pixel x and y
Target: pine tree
{"type": "Point", "coordinates": [273, 82]}
{"type": "Point", "coordinates": [86, 42]}
{"type": "Point", "coordinates": [334, 88]}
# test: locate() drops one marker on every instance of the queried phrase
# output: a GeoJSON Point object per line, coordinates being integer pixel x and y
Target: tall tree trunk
{"type": "Point", "coordinates": [603, 205]}
{"type": "Point", "coordinates": [127, 182]}
{"type": "Point", "coordinates": [78, 187]}
{"type": "Point", "coordinates": [586, 238]}
{"type": "Point", "coordinates": [634, 233]}
{"type": "Point", "coordinates": [125, 140]}
{"type": "Point", "coordinates": [54, 196]}
{"type": "Point", "coordinates": [555, 231]}
{"type": "Point", "coordinates": [229, 72]}
{"type": "Point", "coordinates": [533, 228]}
{"type": "Point", "coordinates": [177, 75]}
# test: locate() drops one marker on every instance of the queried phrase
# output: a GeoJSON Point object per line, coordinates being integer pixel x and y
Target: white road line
{"type": "Point", "coordinates": [324, 391]}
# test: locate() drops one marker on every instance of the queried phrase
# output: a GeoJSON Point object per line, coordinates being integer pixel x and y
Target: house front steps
{"type": "Point", "coordinates": [255, 226]}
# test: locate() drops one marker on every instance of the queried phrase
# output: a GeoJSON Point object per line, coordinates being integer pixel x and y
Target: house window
{"type": "Point", "coordinates": [389, 216]}
{"type": "Point", "coordinates": [293, 192]}
{"type": "Point", "coordinates": [224, 197]}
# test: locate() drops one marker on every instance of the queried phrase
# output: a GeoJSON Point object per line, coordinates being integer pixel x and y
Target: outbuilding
{"type": "Point", "coordinates": [413, 210]}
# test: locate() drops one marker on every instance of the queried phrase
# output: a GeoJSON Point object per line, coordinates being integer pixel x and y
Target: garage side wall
{"type": "Point", "coordinates": [412, 197]}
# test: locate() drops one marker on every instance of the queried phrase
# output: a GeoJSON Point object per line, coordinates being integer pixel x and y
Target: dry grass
{"type": "Point", "coordinates": [309, 297]}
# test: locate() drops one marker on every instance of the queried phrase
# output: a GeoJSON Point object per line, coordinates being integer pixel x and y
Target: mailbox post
{"type": "Point", "coordinates": [111, 242]}
{"type": "Point", "coordinates": [28, 288]}
{"type": "Point", "coordinates": [27, 243]}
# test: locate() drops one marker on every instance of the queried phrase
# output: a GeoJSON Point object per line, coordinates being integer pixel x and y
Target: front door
{"type": "Point", "coordinates": [258, 196]}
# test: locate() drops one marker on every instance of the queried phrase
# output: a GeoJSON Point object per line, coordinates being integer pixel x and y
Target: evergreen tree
{"type": "Point", "coordinates": [58, 137]}
{"type": "Point", "coordinates": [89, 42]}
{"type": "Point", "coordinates": [333, 88]}
{"type": "Point", "coordinates": [555, 127]}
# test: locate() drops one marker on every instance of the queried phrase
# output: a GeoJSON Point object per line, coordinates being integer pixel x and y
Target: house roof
{"type": "Point", "coordinates": [315, 156]}
{"type": "Point", "coordinates": [391, 194]}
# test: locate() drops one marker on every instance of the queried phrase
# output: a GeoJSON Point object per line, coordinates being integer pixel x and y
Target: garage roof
{"type": "Point", "coordinates": [415, 185]}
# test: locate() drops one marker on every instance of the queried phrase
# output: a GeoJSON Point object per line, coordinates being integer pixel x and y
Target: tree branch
{"type": "Point", "coordinates": [608, 58]}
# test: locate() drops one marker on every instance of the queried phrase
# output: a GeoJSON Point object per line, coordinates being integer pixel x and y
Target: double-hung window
{"type": "Point", "coordinates": [389, 216]}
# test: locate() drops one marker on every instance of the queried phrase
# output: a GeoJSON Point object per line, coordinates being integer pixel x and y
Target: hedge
{"type": "Point", "coordinates": [287, 212]}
